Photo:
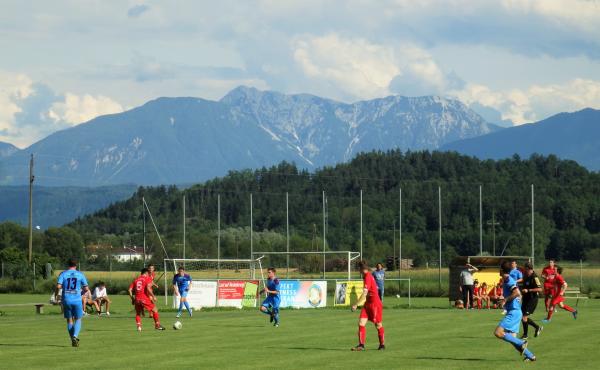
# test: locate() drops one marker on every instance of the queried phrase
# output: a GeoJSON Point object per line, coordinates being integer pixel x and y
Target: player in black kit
{"type": "Point", "coordinates": [531, 290]}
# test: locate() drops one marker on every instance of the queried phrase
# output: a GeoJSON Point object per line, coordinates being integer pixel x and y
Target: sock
{"type": "Point", "coordinates": [380, 334]}
{"type": "Point", "coordinates": [525, 328]}
{"type": "Point", "coordinates": [508, 337]}
{"type": "Point", "coordinates": [70, 328]}
{"type": "Point", "coordinates": [550, 313]}
{"type": "Point", "coordinates": [76, 327]}
{"type": "Point", "coordinates": [138, 319]}
{"type": "Point", "coordinates": [362, 333]}
{"type": "Point", "coordinates": [532, 323]}
{"type": "Point", "coordinates": [156, 319]}
{"type": "Point", "coordinates": [266, 312]}
{"type": "Point", "coordinates": [528, 353]}
{"type": "Point", "coordinates": [276, 317]}
{"type": "Point", "coordinates": [568, 308]}
{"type": "Point", "coordinates": [187, 306]}
{"type": "Point", "coordinates": [180, 307]}
{"type": "Point", "coordinates": [546, 300]}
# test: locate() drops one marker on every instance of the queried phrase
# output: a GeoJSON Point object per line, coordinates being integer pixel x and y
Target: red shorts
{"type": "Point", "coordinates": [558, 299]}
{"type": "Point", "coordinates": [548, 291]}
{"type": "Point", "coordinates": [372, 312]}
{"type": "Point", "coordinates": [143, 304]}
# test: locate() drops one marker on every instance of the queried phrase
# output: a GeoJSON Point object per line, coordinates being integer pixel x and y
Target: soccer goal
{"type": "Point", "coordinates": [308, 265]}
{"type": "Point", "coordinates": [207, 273]}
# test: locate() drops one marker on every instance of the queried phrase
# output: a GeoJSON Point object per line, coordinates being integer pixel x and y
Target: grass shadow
{"type": "Point", "coordinates": [457, 359]}
{"type": "Point", "coordinates": [32, 345]}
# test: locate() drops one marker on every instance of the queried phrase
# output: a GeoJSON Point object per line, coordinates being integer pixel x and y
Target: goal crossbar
{"type": "Point", "coordinates": [351, 256]}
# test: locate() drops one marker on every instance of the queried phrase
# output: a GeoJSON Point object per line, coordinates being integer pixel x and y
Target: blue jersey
{"type": "Point", "coordinates": [516, 274]}
{"type": "Point", "coordinates": [273, 285]}
{"type": "Point", "coordinates": [182, 282]}
{"type": "Point", "coordinates": [379, 278]}
{"type": "Point", "coordinates": [507, 287]}
{"type": "Point", "coordinates": [72, 282]}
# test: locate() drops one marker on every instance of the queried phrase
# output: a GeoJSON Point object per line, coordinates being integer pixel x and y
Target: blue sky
{"type": "Point", "coordinates": [65, 62]}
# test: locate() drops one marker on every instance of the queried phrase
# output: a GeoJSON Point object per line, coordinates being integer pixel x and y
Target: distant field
{"type": "Point", "coordinates": [428, 336]}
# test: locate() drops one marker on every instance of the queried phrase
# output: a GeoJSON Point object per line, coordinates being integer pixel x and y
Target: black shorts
{"type": "Point", "coordinates": [528, 306]}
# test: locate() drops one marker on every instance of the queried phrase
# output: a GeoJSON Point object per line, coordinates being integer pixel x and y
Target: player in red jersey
{"type": "Point", "coordinates": [558, 297]}
{"type": "Point", "coordinates": [372, 308]}
{"type": "Point", "coordinates": [152, 284]}
{"type": "Point", "coordinates": [477, 294]}
{"type": "Point", "coordinates": [142, 298]}
{"type": "Point", "coordinates": [548, 273]}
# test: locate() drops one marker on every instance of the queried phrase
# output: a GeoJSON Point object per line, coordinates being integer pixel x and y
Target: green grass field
{"type": "Point", "coordinates": [427, 336]}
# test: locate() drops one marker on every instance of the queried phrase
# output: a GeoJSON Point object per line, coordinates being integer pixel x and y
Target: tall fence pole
{"type": "Point", "coordinates": [218, 235]}
{"type": "Point", "coordinates": [251, 223]}
{"type": "Point", "coordinates": [400, 234]}
{"type": "Point", "coordinates": [480, 222]}
{"type": "Point", "coordinates": [361, 226]}
{"type": "Point", "coordinates": [324, 234]}
{"type": "Point", "coordinates": [532, 226]}
{"type": "Point", "coordinates": [34, 276]}
{"type": "Point", "coordinates": [183, 206]}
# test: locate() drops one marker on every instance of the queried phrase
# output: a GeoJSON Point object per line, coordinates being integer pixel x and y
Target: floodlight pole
{"type": "Point", "coordinates": [183, 203]}
{"type": "Point", "coordinates": [31, 179]}
{"type": "Point", "coordinates": [144, 226]}
{"type": "Point", "coordinates": [400, 234]}
{"type": "Point", "coordinates": [287, 229]}
{"type": "Point", "coordinates": [218, 235]}
{"type": "Point", "coordinates": [480, 223]}
{"type": "Point", "coordinates": [532, 225]}
{"type": "Point", "coordinates": [440, 236]}
{"type": "Point", "coordinates": [251, 223]}
{"type": "Point", "coordinates": [361, 225]}
{"type": "Point", "coordinates": [324, 234]}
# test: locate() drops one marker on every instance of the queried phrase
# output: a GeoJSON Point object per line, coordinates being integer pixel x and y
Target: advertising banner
{"type": "Point", "coordinates": [347, 292]}
{"type": "Point", "coordinates": [237, 293]}
{"type": "Point", "coordinates": [201, 294]}
{"type": "Point", "coordinates": [303, 294]}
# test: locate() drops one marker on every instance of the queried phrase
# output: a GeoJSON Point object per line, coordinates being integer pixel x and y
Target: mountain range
{"type": "Point", "coordinates": [573, 136]}
{"type": "Point", "coordinates": [186, 140]}
{"type": "Point", "coordinates": [7, 149]}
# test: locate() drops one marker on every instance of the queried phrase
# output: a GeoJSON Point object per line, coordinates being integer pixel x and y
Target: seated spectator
{"type": "Point", "coordinates": [87, 301]}
{"type": "Point", "coordinates": [100, 298]}
{"type": "Point", "coordinates": [484, 295]}
{"type": "Point", "coordinates": [459, 304]}
{"type": "Point", "coordinates": [477, 294]}
{"type": "Point", "coordinates": [496, 296]}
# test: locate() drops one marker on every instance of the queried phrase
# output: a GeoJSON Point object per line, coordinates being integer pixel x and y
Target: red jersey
{"type": "Point", "coordinates": [476, 291]}
{"type": "Point", "coordinates": [558, 283]}
{"type": "Point", "coordinates": [139, 286]}
{"type": "Point", "coordinates": [549, 275]}
{"type": "Point", "coordinates": [496, 292]}
{"type": "Point", "coordinates": [371, 286]}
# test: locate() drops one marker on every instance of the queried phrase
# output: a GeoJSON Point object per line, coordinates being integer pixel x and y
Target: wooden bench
{"type": "Point", "coordinates": [39, 307]}
{"type": "Point", "coordinates": [575, 293]}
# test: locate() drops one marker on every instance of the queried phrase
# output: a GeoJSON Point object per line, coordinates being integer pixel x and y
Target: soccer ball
{"type": "Point", "coordinates": [177, 325]}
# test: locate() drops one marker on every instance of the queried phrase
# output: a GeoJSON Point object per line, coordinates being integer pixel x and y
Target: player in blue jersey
{"type": "Point", "coordinates": [270, 305]}
{"type": "Point", "coordinates": [182, 283]}
{"type": "Point", "coordinates": [72, 282]}
{"type": "Point", "coordinates": [515, 273]}
{"type": "Point", "coordinates": [508, 328]}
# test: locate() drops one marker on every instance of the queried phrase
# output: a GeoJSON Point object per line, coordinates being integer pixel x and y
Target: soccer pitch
{"type": "Point", "coordinates": [427, 336]}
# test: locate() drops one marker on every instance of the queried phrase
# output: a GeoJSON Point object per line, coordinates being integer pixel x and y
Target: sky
{"type": "Point", "coordinates": [65, 62]}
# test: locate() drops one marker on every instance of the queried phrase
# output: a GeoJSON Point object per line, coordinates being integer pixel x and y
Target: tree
{"type": "Point", "coordinates": [63, 243]}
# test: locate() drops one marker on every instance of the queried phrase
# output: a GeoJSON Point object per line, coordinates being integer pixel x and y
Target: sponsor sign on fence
{"type": "Point", "coordinates": [237, 293]}
{"type": "Point", "coordinates": [303, 294]}
{"type": "Point", "coordinates": [347, 292]}
{"type": "Point", "coordinates": [201, 294]}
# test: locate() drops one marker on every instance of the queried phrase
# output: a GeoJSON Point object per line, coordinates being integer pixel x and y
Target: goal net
{"type": "Point", "coordinates": [311, 265]}
{"type": "Point", "coordinates": [216, 282]}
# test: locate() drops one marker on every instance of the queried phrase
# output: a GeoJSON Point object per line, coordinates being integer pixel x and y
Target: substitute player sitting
{"type": "Point", "coordinates": [270, 305]}
{"type": "Point", "coordinates": [508, 328]}
{"type": "Point", "coordinates": [485, 297]}
{"type": "Point", "coordinates": [143, 298]}
{"type": "Point", "coordinates": [372, 308]}
{"type": "Point", "coordinates": [182, 283]}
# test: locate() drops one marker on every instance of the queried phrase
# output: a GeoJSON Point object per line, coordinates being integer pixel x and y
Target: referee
{"type": "Point", "coordinates": [531, 290]}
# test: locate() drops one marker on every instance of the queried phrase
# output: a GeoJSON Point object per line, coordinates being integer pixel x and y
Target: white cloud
{"type": "Point", "coordinates": [76, 109]}
{"type": "Point", "coordinates": [536, 102]}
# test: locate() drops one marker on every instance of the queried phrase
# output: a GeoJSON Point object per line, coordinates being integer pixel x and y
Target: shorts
{"type": "Point", "coordinates": [144, 304]}
{"type": "Point", "coordinates": [511, 321]}
{"type": "Point", "coordinates": [528, 306]}
{"type": "Point", "coordinates": [548, 291]}
{"type": "Point", "coordinates": [373, 313]}
{"type": "Point", "coordinates": [558, 299]}
{"type": "Point", "coordinates": [271, 301]}
{"type": "Point", "coordinates": [73, 309]}
{"type": "Point", "coordinates": [184, 293]}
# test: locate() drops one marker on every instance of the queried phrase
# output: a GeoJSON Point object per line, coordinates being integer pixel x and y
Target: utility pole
{"type": "Point", "coordinates": [361, 226]}
{"type": "Point", "coordinates": [400, 234]}
{"type": "Point", "coordinates": [532, 225]}
{"type": "Point", "coordinates": [144, 232]}
{"type": "Point", "coordinates": [440, 236]}
{"type": "Point", "coordinates": [287, 231]}
{"type": "Point", "coordinates": [31, 179]}
{"type": "Point", "coordinates": [251, 223]}
{"type": "Point", "coordinates": [480, 223]}
{"type": "Point", "coordinates": [493, 223]}
{"type": "Point", "coordinates": [218, 236]}
{"type": "Point", "coordinates": [324, 233]}
{"type": "Point", "coordinates": [183, 201]}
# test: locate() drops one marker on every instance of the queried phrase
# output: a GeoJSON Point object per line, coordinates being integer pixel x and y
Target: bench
{"type": "Point", "coordinates": [39, 307]}
{"type": "Point", "coordinates": [574, 293]}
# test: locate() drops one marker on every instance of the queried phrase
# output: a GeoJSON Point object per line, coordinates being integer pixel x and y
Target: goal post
{"type": "Point", "coordinates": [310, 264]}
{"type": "Point", "coordinates": [212, 270]}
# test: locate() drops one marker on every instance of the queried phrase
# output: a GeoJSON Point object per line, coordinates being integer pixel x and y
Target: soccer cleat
{"type": "Point", "coordinates": [381, 347]}
{"type": "Point", "coordinates": [74, 341]}
{"type": "Point", "coordinates": [159, 327]}
{"type": "Point", "coordinates": [504, 312]}
{"type": "Point", "coordinates": [276, 325]}
{"type": "Point", "coordinates": [178, 315]}
{"type": "Point", "coordinates": [190, 312]}
{"type": "Point", "coordinates": [530, 359]}
{"type": "Point", "coordinates": [538, 331]}
{"type": "Point", "coordinates": [107, 313]}
{"type": "Point", "coordinates": [524, 337]}
{"type": "Point", "coordinates": [546, 321]}
{"type": "Point", "coordinates": [139, 328]}
{"type": "Point", "coordinates": [574, 313]}
{"type": "Point", "coordinates": [360, 347]}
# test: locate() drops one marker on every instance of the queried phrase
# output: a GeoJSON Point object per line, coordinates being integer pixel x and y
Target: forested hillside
{"type": "Point", "coordinates": [567, 209]}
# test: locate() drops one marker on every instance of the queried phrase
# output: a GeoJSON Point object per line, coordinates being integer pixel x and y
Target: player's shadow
{"type": "Point", "coordinates": [457, 359]}
{"type": "Point", "coordinates": [30, 345]}
{"type": "Point", "coordinates": [311, 348]}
